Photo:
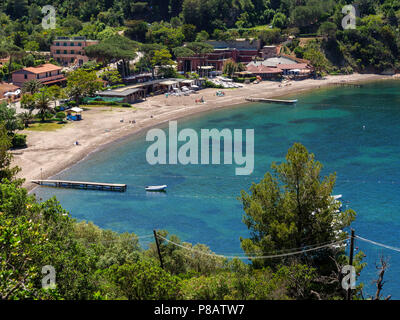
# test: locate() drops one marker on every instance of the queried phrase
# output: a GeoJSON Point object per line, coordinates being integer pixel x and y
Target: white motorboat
{"type": "Point", "coordinates": [156, 188]}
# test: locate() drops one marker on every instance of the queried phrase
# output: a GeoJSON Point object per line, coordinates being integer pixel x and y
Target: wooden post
{"type": "Point", "coordinates": [158, 249]}
{"type": "Point", "coordinates": [351, 261]}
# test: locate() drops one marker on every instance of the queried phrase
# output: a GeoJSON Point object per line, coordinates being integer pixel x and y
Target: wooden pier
{"type": "Point", "coordinates": [81, 185]}
{"type": "Point", "coordinates": [346, 84]}
{"type": "Point", "coordinates": [271, 100]}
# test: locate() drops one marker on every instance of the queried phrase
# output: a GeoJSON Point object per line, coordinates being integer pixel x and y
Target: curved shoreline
{"type": "Point", "coordinates": [47, 152]}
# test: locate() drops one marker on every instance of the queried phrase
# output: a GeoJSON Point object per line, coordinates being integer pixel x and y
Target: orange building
{"type": "Point", "coordinates": [46, 73]}
{"type": "Point", "coordinates": [70, 51]}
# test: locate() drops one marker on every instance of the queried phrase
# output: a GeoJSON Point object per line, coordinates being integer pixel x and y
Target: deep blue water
{"type": "Point", "coordinates": [354, 132]}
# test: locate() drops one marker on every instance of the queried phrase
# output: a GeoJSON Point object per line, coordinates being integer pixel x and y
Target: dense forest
{"type": "Point", "coordinates": [316, 24]}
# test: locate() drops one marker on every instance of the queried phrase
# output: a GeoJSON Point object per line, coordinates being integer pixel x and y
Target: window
{"type": "Point", "coordinates": [57, 44]}
{"type": "Point", "coordinates": [72, 44]}
{"type": "Point", "coordinates": [58, 51]}
{"type": "Point", "coordinates": [80, 44]}
{"type": "Point", "coordinates": [25, 76]}
{"type": "Point", "coordinates": [37, 76]}
{"type": "Point", "coordinates": [72, 52]}
{"type": "Point", "coordinates": [65, 44]}
{"type": "Point", "coordinates": [65, 51]}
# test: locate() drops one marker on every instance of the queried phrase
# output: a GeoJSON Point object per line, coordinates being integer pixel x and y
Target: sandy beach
{"type": "Point", "coordinates": [50, 152]}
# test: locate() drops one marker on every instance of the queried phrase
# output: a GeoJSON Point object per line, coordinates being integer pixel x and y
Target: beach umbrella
{"type": "Point", "coordinates": [76, 109]}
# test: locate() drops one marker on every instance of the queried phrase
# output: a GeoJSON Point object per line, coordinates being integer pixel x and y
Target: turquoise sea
{"type": "Point", "coordinates": [354, 132]}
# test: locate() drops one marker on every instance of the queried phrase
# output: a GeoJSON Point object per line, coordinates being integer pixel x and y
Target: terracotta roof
{"type": "Point", "coordinates": [5, 87]}
{"type": "Point", "coordinates": [263, 69]}
{"type": "Point", "coordinates": [48, 67]}
{"type": "Point", "coordinates": [292, 66]}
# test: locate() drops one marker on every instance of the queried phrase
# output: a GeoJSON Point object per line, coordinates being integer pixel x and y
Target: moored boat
{"type": "Point", "coordinates": [156, 188]}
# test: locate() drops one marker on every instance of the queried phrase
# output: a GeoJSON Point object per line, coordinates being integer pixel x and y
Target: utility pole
{"type": "Point", "coordinates": [158, 249]}
{"type": "Point", "coordinates": [351, 262]}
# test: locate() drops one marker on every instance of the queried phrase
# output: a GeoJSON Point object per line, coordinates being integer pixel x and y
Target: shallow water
{"type": "Point", "coordinates": [354, 132]}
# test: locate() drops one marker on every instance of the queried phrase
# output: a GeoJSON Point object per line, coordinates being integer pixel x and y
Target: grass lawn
{"type": "Point", "coordinates": [45, 126]}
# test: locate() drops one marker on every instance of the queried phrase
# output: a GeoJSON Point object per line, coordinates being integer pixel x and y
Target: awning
{"type": "Point", "coordinates": [76, 109]}
{"type": "Point", "coordinates": [54, 81]}
{"type": "Point", "coordinates": [168, 83]}
{"type": "Point", "coordinates": [187, 81]}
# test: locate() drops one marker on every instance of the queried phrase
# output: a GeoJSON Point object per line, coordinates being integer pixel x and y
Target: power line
{"type": "Point", "coordinates": [290, 250]}
{"type": "Point", "coordinates": [378, 244]}
{"type": "Point", "coordinates": [253, 257]}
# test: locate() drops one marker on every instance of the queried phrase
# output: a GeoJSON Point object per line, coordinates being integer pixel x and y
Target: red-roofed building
{"type": "Point", "coordinates": [47, 74]}
{"type": "Point", "coordinates": [239, 50]}
{"type": "Point", "coordinates": [285, 65]}
{"type": "Point", "coordinates": [266, 73]}
{"type": "Point", "coordinates": [8, 87]}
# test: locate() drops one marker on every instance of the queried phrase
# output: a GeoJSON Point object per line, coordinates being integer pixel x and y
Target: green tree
{"type": "Point", "coordinates": [31, 46]}
{"type": "Point", "coordinates": [82, 83]}
{"type": "Point", "coordinates": [328, 29]}
{"type": "Point", "coordinates": [55, 92]}
{"type": "Point", "coordinates": [28, 102]}
{"type": "Point", "coordinates": [7, 172]}
{"type": "Point", "coordinates": [26, 118]}
{"type": "Point", "coordinates": [143, 280]}
{"type": "Point", "coordinates": [292, 207]}
{"type": "Point", "coordinates": [163, 34]}
{"type": "Point", "coordinates": [112, 76]}
{"type": "Point", "coordinates": [202, 36]}
{"type": "Point", "coordinates": [189, 31]}
{"type": "Point", "coordinates": [114, 48]}
{"type": "Point", "coordinates": [18, 239]}
{"type": "Point", "coordinates": [31, 86]}
{"type": "Point", "coordinates": [163, 59]}
{"type": "Point", "coordinates": [279, 21]}
{"type": "Point", "coordinates": [136, 30]}
{"type": "Point", "coordinates": [230, 67]}
{"type": "Point", "coordinates": [8, 116]}
{"type": "Point", "coordinates": [42, 103]}
{"type": "Point", "coordinates": [317, 59]}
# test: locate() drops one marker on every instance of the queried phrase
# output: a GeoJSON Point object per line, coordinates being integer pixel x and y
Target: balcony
{"type": "Point", "coordinates": [54, 48]}
{"type": "Point", "coordinates": [56, 78]}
